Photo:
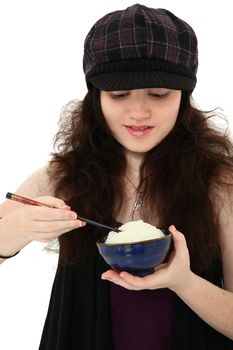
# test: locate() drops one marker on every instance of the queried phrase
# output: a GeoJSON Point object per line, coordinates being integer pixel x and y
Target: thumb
{"type": "Point", "coordinates": [177, 236]}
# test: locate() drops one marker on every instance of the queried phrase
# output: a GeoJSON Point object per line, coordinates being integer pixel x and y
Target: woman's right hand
{"type": "Point", "coordinates": [38, 223]}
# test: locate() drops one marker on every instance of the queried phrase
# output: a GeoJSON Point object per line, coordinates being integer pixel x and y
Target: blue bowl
{"type": "Point", "coordinates": [138, 258]}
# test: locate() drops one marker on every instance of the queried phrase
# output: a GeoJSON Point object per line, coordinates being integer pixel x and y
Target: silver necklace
{"type": "Point", "coordinates": [137, 203]}
{"type": "Point", "coordinates": [138, 200]}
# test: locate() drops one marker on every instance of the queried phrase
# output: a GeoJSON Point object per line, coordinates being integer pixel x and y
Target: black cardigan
{"type": "Point", "coordinates": [79, 317]}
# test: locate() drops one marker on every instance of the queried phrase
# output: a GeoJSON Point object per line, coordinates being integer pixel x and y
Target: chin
{"type": "Point", "coordinates": [142, 147]}
{"type": "Point", "coordinates": [141, 150]}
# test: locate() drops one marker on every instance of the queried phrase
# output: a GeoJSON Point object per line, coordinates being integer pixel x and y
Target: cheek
{"type": "Point", "coordinates": [172, 108]}
{"type": "Point", "coordinates": [168, 119]}
{"type": "Point", "coordinates": [166, 123]}
{"type": "Point", "coordinates": [109, 110]}
{"type": "Point", "coordinates": [104, 106]}
{"type": "Point", "coordinates": [111, 119]}
{"type": "Point", "coordinates": [172, 113]}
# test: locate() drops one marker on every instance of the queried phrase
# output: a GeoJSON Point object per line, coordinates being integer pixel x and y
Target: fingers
{"type": "Point", "coordinates": [152, 281]}
{"type": "Point", "coordinates": [128, 281]}
{"type": "Point", "coordinates": [49, 214]}
{"type": "Point", "coordinates": [48, 223]}
{"type": "Point", "coordinates": [53, 201]}
{"type": "Point", "coordinates": [46, 236]}
{"type": "Point", "coordinates": [53, 226]}
{"type": "Point", "coordinates": [47, 230]}
{"type": "Point", "coordinates": [42, 222]}
{"type": "Point", "coordinates": [115, 277]}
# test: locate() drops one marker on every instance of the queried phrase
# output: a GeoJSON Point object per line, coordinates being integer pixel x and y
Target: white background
{"type": "Point", "coordinates": [40, 71]}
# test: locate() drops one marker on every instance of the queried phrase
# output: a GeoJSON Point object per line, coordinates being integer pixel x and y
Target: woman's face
{"type": "Point", "coordinates": [140, 119]}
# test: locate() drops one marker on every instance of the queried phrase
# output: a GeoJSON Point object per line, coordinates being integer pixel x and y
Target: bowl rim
{"type": "Point", "coordinates": [166, 235]}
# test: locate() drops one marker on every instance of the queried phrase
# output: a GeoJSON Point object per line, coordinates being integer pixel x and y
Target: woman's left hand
{"type": "Point", "coordinates": [173, 274]}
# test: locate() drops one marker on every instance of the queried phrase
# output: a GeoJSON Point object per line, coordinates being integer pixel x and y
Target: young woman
{"type": "Point", "coordinates": [136, 138]}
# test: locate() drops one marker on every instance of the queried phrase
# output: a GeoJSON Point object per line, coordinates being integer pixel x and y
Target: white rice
{"type": "Point", "coordinates": [134, 231]}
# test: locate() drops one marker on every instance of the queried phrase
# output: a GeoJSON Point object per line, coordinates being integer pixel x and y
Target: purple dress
{"type": "Point", "coordinates": [141, 319]}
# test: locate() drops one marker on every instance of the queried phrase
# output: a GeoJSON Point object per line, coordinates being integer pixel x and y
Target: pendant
{"type": "Point", "coordinates": [137, 203]}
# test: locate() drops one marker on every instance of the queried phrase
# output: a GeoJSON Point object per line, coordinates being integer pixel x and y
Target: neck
{"type": "Point", "coordinates": [134, 161]}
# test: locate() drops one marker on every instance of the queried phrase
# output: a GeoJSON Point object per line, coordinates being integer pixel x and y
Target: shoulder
{"type": "Point", "coordinates": [36, 185]}
{"type": "Point", "coordinates": [224, 208]}
{"type": "Point", "coordinates": [223, 201]}
{"type": "Point", "coordinates": [222, 194]}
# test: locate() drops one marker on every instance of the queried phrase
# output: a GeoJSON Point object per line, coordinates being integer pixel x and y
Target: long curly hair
{"type": "Point", "coordinates": [180, 178]}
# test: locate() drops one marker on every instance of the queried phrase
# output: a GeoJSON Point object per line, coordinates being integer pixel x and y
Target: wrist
{"type": "Point", "coordinates": [183, 288]}
{"type": "Point", "coordinates": [11, 241]}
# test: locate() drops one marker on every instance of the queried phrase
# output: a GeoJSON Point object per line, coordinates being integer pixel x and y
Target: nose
{"type": "Point", "coordinates": [140, 111]}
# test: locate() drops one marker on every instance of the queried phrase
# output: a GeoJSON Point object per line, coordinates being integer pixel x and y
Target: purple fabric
{"type": "Point", "coordinates": [140, 32]}
{"type": "Point", "coordinates": [140, 47]}
{"type": "Point", "coordinates": [141, 319]}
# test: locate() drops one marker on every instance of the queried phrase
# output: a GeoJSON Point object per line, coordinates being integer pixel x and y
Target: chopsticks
{"type": "Point", "coordinates": [28, 201]}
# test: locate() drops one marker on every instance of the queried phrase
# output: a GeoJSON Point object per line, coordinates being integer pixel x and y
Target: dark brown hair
{"type": "Point", "coordinates": [180, 177]}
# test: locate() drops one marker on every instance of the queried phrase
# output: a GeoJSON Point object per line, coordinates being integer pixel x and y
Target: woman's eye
{"type": "Point", "coordinates": [158, 95]}
{"type": "Point", "coordinates": [118, 96]}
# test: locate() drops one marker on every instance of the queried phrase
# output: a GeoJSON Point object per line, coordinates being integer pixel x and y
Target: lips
{"type": "Point", "coordinates": [139, 130]}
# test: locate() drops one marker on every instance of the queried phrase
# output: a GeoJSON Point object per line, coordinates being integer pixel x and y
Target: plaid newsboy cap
{"type": "Point", "coordinates": [140, 47]}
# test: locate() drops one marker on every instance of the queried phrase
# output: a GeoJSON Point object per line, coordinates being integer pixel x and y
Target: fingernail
{"type": "Point", "coordinates": [172, 228]}
{"type": "Point", "coordinates": [73, 216]}
{"type": "Point", "coordinates": [65, 207]}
